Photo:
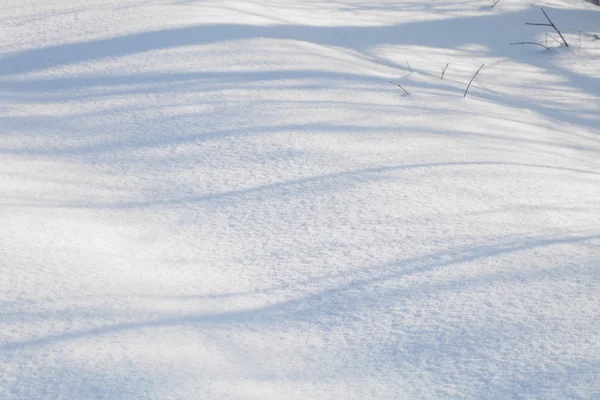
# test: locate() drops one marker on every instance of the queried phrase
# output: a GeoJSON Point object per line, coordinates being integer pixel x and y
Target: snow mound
{"type": "Point", "coordinates": [229, 199]}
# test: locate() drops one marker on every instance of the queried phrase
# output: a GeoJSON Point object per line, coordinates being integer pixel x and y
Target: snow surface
{"type": "Point", "coordinates": [211, 199]}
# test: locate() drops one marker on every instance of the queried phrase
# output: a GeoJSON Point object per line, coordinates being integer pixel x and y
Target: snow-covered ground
{"type": "Point", "coordinates": [211, 199]}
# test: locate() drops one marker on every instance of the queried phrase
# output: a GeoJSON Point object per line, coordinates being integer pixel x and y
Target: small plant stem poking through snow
{"type": "Point", "coordinates": [555, 28]}
{"type": "Point", "coordinates": [444, 71]}
{"type": "Point", "coordinates": [553, 38]}
{"type": "Point", "coordinates": [495, 2]}
{"type": "Point", "coordinates": [409, 68]}
{"type": "Point", "coordinates": [534, 43]}
{"type": "Point", "coordinates": [397, 84]}
{"type": "Point", "coordinates": [472, 79]}
{"type": "Point", "coordinates": [550, 23]}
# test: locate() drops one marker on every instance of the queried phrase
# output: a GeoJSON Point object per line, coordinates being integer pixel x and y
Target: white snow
{"type": "Point", "coordinates": [212, 199]}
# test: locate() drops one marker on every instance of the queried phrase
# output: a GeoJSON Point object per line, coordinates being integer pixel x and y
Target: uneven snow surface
{"type": "Point", "coordinates": [227, 199]}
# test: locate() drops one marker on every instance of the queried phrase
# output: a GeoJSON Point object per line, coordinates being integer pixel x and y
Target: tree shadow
{"type": "Point", "coordinates": [493, 349]}
{"type": "Point", "coordinates": [363, 40]}
{"type": "Point", "coordinates": [334, 299]}
{"type": "Point", "coordinates": [312, 184]}
{"type": "Point", "coordinates": [353, 293]}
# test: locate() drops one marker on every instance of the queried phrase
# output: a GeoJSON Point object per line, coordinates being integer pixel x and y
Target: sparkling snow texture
{"type": "Point", "coordinates": [213, 199]}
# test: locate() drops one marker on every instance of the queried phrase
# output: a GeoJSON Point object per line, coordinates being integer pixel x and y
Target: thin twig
{"type": "Point", "coordinates": [400, 86]}
{"type": "Point", "coordinates": [555, 28]}
{"type": "Point", "coordinates": [444, 71]}
{"type": "Point", "coordinates": [409, 68]}
{"type": "Point", "coordinates": [553, 38]}
{"type": "Point", "coordinates": [495, 2]}
{"type": "Point", "coordinates": [593, 36]}
{"type": "Point", "coordinates": [535, 43]}
{"type": "Point", "coordinates": [471, 81]}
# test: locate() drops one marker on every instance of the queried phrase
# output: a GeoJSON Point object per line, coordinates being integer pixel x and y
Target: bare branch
{"type": "Point", "coordinates": [551, 24]}
{"type": "Point", "coordinates": [555, 28]}
{"type": "Point", "coordinates": [593, 36]}
{"type": "Point", "coordinates": [553, 38]}
{"type": "Point", "coordinates": [445, 68]}
{"type": "Point", "coordinates": [535, 43]}
{"type": "Point", "coordinates": [400, 86]}
{"type": "Point", "coordinates": [471, 81]}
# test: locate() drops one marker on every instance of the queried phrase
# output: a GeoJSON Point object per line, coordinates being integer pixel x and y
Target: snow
{"type": "Point", "coordinates": [228, 199]}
